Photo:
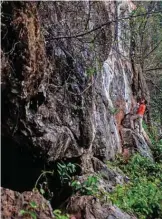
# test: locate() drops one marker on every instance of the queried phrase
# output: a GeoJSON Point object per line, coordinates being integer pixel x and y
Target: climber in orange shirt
{"type": "Point", "coordinates": [139, 115]}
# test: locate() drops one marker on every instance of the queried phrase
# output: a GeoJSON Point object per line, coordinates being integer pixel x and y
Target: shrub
{"type": "Point", "coordinates": [157, 144]}
{"type": "Point", "coordinates": [88, 187]}
{"type": "Point", "coordinates": [157, 151]}
{"type": "Point", "coordinates": [143, 194]}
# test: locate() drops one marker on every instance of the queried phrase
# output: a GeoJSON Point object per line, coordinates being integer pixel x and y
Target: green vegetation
{"type": "Point", "coordinates": [65, 171]}
{"type": "Point", "coordinates": [43, 187]}
{"type": "Point", "coordinates": [156, 143]}
{"type": "Point", "coordinates": [43, 190]}
{"type": "Point", "coordinates": [157, 151]}
{"type": "Point", "coordinates": [58, 214]}
{"type": "Point", "coordinates": [113, 111]}
{"type": "Point", "coordinates": [31, 212]}
{"type": "Point", "coordinates": [28, 213]}
{"type": "Point", "coordinates": [142, 195]}
{"type": "Point", "coordinates": [91, 71]}
{"type": "Point", "coordinates": [88, 187]}
{"type": "Point", "coordinates": [147, 51]}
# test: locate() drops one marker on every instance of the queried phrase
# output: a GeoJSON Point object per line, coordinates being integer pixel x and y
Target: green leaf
{"type": "Point", "coordinates": [42, 191]}
{"type": "Point", "coordinates": [33, 214]}
{"type": "Point", "coordinates": [33, 204]}
{"type": "Point", "coordinates": [57, 212]}
{"type": "Point", "coordinates": [22, 212]}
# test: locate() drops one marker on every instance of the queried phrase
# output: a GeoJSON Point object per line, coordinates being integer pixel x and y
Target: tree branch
{"type": "Point", "coordinates": [152, 69]}
{"type": "Point", "coordinates": [153, 49]}
{"type": "Point", "coordinates": [102, 25]}
{"type": "Point", "coordinates": [154, 85]}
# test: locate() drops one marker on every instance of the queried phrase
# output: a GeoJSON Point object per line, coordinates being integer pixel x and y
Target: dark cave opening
{"type": "Point", "coordinates": [21, 169]}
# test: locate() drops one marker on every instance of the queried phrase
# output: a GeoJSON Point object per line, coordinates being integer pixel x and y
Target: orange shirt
{"type": "Point", "coordinates": [141, 109]}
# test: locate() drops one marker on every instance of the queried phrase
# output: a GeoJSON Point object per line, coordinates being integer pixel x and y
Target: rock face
{"type": "Point", "coordinates": [67, 81]}
{"type": "Point", "coordinates": [13, 202]}
{"type": "Point", "coordinates": [92, 209]}
{"type": "Point", "coordinates": [133, 140]}
{"type": "Point", "coordinates": [136, 142]}
{"type": "Point", "coordinates": [67, 101]}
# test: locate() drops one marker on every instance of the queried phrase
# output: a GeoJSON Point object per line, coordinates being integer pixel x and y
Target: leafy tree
{"type": "Point", "coordinates": [146, 51]}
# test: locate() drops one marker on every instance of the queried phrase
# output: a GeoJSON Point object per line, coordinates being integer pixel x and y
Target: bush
{"type": "Point", "coordinates": [88, 187]}
{"type": "Point", "coordinates": [143, 194]}
{"type": "Point", "coordinates": [157, 144]}
{"type": "Point", "coordinates": [157, 151]}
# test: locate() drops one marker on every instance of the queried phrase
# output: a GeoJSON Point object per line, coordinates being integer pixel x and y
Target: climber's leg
{"type": "Point", "coordinates": [140, 124]}
{"type": "Point", "coordinates": [132, 118]}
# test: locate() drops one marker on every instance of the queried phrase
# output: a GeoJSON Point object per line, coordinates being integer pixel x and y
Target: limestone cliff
{"type": "Point", "coordinates": [67, 81]}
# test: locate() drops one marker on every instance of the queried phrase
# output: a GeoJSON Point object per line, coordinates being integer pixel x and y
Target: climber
{"type": "Point", "coordinates": [139, 115]}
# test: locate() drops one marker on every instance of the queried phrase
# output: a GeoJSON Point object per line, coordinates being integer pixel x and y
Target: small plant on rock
{"type": "Point", "coordinates": [65, 171]}
{"type": "Point", "coordinates": [31, 212]}
{"type": "Point", "coordinates": [88, 187]}
{"type": "Point", "coordinates": [43, 187]}
{"type": "Point", "coordinates": [58, 214]}
{"type": "Point", "coordinates": [113, 111]}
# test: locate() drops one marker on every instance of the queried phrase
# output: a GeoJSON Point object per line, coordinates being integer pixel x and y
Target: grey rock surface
{"type": "Point", "coordinates": [92, 208]}
{"type": "Point", "coordinates": [136, 142]}
{"type": "Point", "coordinates": [83, 89]}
